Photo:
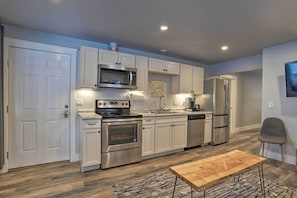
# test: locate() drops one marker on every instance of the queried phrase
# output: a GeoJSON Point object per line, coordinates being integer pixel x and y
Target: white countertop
{"type": "Point", "coordinates": [93, 115]}
{"type": "Point", "coordinates": [89, 115]}
{"type": "Point", "coordinates": [172, 113]}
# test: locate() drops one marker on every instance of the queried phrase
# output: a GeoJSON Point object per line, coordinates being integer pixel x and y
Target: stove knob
{"type": "Point", "coordinates": [99, 103]}
{"type": "Point", "coordinates": [126, 104]}
{"type": "Point", "coordinates": [104, 104]}
{"type": "Point", "coordinates": [123, 104]}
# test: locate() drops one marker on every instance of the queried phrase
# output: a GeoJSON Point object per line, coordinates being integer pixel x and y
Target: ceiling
{"type": "Point", "coordinates": [197, 28]}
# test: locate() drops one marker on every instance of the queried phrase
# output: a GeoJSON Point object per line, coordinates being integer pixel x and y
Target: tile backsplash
{"type": "Point", "coordinates": [140, 101]}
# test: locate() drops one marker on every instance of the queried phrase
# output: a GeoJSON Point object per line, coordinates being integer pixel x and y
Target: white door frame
{"type": "Point", "coordinates": [10, 42]}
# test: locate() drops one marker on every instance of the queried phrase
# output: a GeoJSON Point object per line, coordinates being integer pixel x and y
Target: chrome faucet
{"type": "Point", "coordinates": [161, 107]}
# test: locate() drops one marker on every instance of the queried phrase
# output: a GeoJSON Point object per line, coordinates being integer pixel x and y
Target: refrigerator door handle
{"type": "Point", "coordinates": [223, 114]}
{"type": "Point", "coordinates": [220, 127]}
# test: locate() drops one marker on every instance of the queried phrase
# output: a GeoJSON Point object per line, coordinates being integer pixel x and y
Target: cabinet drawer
{"type": "Point", "coordinates": [208, 116]}
{"type": "Point", "coordinates": [148, 120]}
{"type": "Point", "coordinates": [171, 119]}
{"type": "Point", "coordinates": [89, 124]}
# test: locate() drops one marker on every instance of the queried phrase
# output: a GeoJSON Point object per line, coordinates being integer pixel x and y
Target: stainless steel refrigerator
{"type": "Point", "coordinates": [217, 100]}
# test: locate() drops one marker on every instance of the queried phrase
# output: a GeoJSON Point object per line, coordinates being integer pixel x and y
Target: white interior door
{"type": "Point", "coordinates": [39, 96]}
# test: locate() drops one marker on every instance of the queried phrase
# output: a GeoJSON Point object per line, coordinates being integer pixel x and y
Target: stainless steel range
{"type": "Point", "coordinates": [121, 133]}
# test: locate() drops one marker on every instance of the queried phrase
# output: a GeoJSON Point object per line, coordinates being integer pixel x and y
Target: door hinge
{"type": "Point", "coordinates": [7, 108]}
{"type": "Point", "coordinates": [8, 62]}
{"type": "Point", "coordinates": [7, 155]}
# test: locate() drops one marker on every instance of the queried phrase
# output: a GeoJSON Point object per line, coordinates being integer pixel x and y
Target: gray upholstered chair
{"type": "Point", "coordinates": [273, 131]}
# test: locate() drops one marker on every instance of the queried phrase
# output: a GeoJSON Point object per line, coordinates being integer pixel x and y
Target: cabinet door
{"type": "Point", "coordinates": [198, 79]}
{"type": "Point", "coordinates": [142, 73]}
{"type": "Point", "coordinates": [172, 68]}
{"type": "Point", "coordinates": [163, 138]}
{"type": "Point", "coordinates": [148, 139]}
{"type": "Point", "coordinates": [108, 57]}
{"type": "Point", "coordinates": [179, 135]}
{"type": "Point", "coordinates": [88, 67]}
{"type": "Point", "coordinates": [91, 147]}
{"type": "Point", "coordinates": [185, 78]}
{"type": "Point", "coordinates": [126, 60]}
{"type": "Point", "coordinates": [157, 65]}
{"type": "Point", "coordinates": [207, 131]}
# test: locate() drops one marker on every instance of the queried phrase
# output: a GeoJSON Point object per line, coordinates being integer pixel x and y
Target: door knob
{"type": "Point", "coordinates": [66, 113]}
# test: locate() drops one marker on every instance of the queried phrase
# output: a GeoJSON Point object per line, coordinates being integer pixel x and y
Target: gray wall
{"type": "Point", "coordinates": [64, 41]}
{"type": "Point", "coordinates": [249, 94]}
{"type": "Point", "coordinates": [249, 88]}
{"type": "Point", "coordinates": [285, 108]}
{"type": "Point", "coordinates": [239, 65]}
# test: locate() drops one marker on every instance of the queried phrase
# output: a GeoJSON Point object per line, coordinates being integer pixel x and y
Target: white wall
{"type": "Point", "coordinates": [285, 108]}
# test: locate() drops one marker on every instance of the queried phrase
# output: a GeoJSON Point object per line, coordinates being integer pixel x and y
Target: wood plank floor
{"type": "Point", "coordinates": [63, 179]}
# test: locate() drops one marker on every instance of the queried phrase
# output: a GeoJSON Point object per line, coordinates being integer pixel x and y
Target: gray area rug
{"type": "Point", "coordinates": [161, 185]}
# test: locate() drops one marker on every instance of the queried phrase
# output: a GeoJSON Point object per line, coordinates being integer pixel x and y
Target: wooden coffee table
{"type": "Point", "coordinates": [205, 173]}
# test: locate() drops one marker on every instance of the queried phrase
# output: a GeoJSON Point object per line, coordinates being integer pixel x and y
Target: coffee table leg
{"type": "Point", "coordinates": [204, 193]}
{"type": "Point", "coordinates": [174, 186]}
{"type": "Point", "coordinates": [261, 175]}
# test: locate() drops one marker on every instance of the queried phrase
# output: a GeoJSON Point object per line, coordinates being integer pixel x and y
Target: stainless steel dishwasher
{"type": "Point", "coordinates": [196, 124]}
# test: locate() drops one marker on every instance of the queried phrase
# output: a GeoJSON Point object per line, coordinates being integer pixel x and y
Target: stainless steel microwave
{"type": "Point", "coordinates": [116, 76]}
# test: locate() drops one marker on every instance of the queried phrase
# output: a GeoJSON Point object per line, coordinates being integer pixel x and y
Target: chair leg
{"type": "Point", "coordinates": [262, 145]}
{"type": "Point", "coordinates": [282, 152]}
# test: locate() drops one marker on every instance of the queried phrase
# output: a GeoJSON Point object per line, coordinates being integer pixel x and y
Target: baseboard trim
{"type": "Point", "coordinates": [249, 127]}
{"type": "Point", "coordinates": [277, 156]}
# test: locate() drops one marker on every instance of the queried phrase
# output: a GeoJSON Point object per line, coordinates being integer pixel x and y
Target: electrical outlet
{"type": "Point", "coordinates": [174, 103]}
{"type": "Point", "coordinates": [79, 102]}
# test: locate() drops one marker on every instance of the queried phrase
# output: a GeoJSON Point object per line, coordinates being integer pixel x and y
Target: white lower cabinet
{"type": "Point", "coordinates": [208, 128]}
{"type": "Point", "coordinates": [179, 135]}
{"type": "Point", "coordinates": [162, 134]}
{"type": "Point", "coordinates": [148, 136]}
{"type": "Point", "coordinates": [170, 133]}
{"type": "Point", "coordinates": [90, 153]}
{"type": "Point", "coordinates": [163, 138]}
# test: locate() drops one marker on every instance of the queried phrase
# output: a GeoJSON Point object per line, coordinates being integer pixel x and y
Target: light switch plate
{"type": "Point", "coordinates": [270, 104]}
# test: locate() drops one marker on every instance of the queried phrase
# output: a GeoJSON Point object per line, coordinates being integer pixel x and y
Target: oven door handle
{"type": "Point", "coordinates": [120, 120]}
{"type": "Point", "coordinates": [130, 77]}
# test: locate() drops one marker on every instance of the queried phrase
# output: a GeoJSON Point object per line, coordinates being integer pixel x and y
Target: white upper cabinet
{"type": "Point", "coordinates": [198, 80]}
{"type": "Point", "coordinates": [163, 67]}
{"type": "Point", "coordinates": [142, 73]}
{"type": "Point", "coordinates": [186, 79]}
{"type": "Point", "coordinates": [172, 67]}
{"type": "Point", "coordinates": [88, 63]}
{"type": "Point", "coordinates": [112, 57]}
{"type": "Point", "coordinates": [126, 60]}
{"type": "Point", "coordinates": [190, 80]}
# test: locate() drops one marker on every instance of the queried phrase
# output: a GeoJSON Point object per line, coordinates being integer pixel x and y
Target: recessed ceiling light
{"type": "Point", "coordinates": [224, 48]}
{"type": "Point", "coordinates": [163, 50]}
{"type": "Point", "coordinates": [56, 1]}
{"type": "Point", "coordinates": [164, 27]}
